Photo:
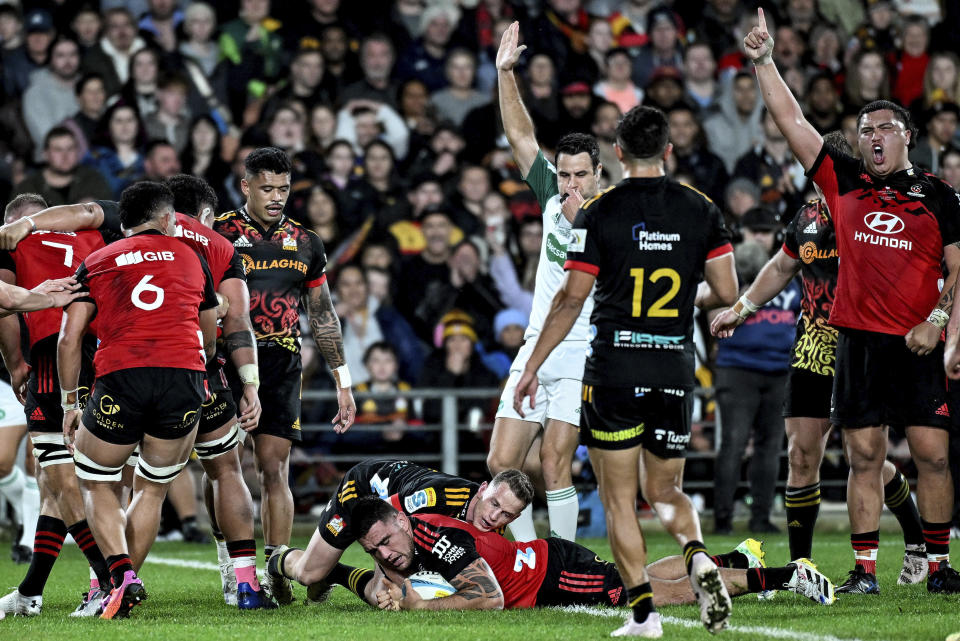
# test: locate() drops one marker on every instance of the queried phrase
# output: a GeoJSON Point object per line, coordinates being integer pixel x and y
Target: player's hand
{"type": "Point", "coordinates": [526, 386]}
{"type": "Point", "coordinates": [923, 338]}
{"type": "Point", "coordinates": [12, 233]}
{"type": "Point", "coordinates": [61, 291]}
{"type": "Point", "coordinates": [571, 203]}
{"type": "Point", "coordinates": [758, 44]}
{"type": "Point", "coordinates": [390, 597]}
{"type": "Point", "coordinates": [725, 322]}
{"type": "Point", "coordinates": [509, 53]}
{"type": "Point", "coordinates": [71, 420]}
{"type": "Point", "coordinates": [249, 408]}
{"type": "Point", "coordinates": [223, 305]}
{"type": "Point", "coordinates": [19, 375]}
{"type": "Point", "coordinates": [348, 411]}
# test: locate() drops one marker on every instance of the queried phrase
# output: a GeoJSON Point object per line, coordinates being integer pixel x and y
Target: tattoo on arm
{"type": "Point", "coordinates": [238, 340]}
{"type": "Point", "coordinates": [476, 581]}
{"type": "Point", "coordinates": [325, 325]}
{"type": "Point", "coordinates": [946, 299]}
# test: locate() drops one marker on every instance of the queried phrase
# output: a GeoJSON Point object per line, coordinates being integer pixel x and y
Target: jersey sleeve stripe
{"type": "Point", "coordinates": [317, 282]}
{"type": "Point", "coordinates": [789, 252]}
{"type": "Point", "coordinates": [394, 500]}
{"type": "Point", "coordinates": [582, 267]}
{"type": "Point", "coordinates": [722, 250]}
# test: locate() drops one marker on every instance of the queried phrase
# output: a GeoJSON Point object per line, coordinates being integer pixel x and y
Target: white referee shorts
{"type": "Point", "coordinates": [11, 411]}
{"type": "Point", "coordinates": [560, 376]}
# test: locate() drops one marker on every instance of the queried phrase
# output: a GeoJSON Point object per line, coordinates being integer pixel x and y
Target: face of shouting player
{"type": "Point", "coordinates": [390, 543]}
{"type": "Point", "coordinates": [266, 194]}
{"type": "Point", "coordinates": [496, 507]}
{"type": "Point", "coordinates": [882, 138]}
{"type": "Point", "coordinates": [575, 172]}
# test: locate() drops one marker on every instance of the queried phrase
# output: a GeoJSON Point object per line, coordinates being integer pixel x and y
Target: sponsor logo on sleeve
{"type": "Point", "coordinates": [420, 499]}
{"type": "Point", "coordinates": [335, 525]}
{"type": "Point", "coordinates": [578, 240]}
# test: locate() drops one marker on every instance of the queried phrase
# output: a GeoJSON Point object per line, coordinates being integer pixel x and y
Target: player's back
{"type": "Point", "coordinates": [47, 255]}
{"type": "Point", "coordinates": [519, 567]}
{"type": "Point", "coordinates": [148, 289]}
{"type": "Point", "coordinates": [215, 249]}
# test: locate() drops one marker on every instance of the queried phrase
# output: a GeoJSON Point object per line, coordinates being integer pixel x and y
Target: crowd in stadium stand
{"type": "Point", "coordinates": [388, 110]}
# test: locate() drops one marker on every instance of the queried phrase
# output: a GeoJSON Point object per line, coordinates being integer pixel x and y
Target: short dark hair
{"type": "Point", "coordinates": [155, 143]}
{"type": "Point", "coordinates": [57, 41]}
{"type": "Point", "coordinates": [141, 201]}
{"type": "Point", "coordinates": [191, 193]}
{"type": "Point", "coordinates": [518, 482]}
{"type": "Point", "coordinates": [573, 144]}
{"type": "Point", "coordinates": [898, 111]}
{"type": "Point", "coordinates": [267, 159]}
{"type": "Point", "coordinates": [369, 511]}
{"type": "Point", "coordinates": [382, 346]}
{"type": "Point", "coordinates": [643, 133]}
{"type": "Point", "coordinates": [57, 132]}
{"type": "Point", "coordinates": [79, 86]}
{"type": "Point", "coordinates": [21, 201]}
{"type": "Point", "coordinates": [836, 140]}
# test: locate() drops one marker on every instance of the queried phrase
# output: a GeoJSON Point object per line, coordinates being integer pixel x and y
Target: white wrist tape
{"type": "Point", "coordinates": [939, 318]}
{"type": "Point", "coordinates": [65, 403]}
{"type": "Point", "coordinates": [249, 375]}
{"type": "Point", "coordinates": [745, 307]}
{"type": "Point", "coordinates": [342, 376]}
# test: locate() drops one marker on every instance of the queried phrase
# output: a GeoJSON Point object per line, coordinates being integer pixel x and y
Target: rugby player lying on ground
{"type": "Point", "coordinates": [490, 572]}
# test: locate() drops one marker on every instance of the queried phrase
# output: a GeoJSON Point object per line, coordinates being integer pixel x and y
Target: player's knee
{"type": "Point", "coordinates": [931, 463]}
{"type": "Point", "coordinates": [802, 458]}
{"type": "Point", "coordinates": [499, 461]}
{"type": "Point", "coordinates": [6, 467]}
{"type": "Point", "coordinates": [273, 475]}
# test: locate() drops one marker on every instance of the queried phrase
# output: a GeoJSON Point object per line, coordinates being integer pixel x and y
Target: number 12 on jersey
{"type": "Point", "coordinates": [658, 309]}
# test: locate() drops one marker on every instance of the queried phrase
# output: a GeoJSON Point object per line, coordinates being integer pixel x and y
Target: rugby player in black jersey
{"type": "Point", "coordinates": [810, 249]}
{"type": "Point", "coordinates": [647, 244]}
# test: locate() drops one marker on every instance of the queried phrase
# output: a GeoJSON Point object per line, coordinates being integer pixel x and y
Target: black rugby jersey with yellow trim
{"type": "Point", "coordinates": [646, 241]}
{"type": "Point", "coordinates": [281, 263]}
{"type": "Point", "coordinates": [811, 239]}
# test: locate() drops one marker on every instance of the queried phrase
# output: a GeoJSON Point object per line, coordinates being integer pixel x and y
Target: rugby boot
{"type": "Point", "coordinates": [915, 566]}
{"type": "Point", "coordinates": [756, 558]}
{"type": "Point", "coordinates": [652, 628]}
{"type": "Point", "coordinates": [250, 599]}
{"type": "Point", "coordinates": [278, 585]}
{"type": "Point", "coordinates": [91, 603]}
{"type": "Point", "coordinates": [712, 595]}
{"type": "Point", "coordinates": [120, 601]}
{"type": "Point", "coordinates": [946, 580]}
{"type": "Point", "coordinates": [809, 582]}
{"type": "Point", "coordinates": [859, 582]}
{"type": "Point", "coordinates": [19, 605]}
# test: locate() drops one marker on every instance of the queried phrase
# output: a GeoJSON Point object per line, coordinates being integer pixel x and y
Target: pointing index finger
{"type": "Point", "coordinates": [763, 21]}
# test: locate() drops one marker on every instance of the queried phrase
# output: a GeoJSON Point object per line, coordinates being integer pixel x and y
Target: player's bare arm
{"type": "Point", "coordinates": [517, 124]}
{"type": "Point", "coordinates": [923, 338]}
{"type": "Point", "coordinates": [325, 327]}
{"type": "Point", "coordinates": [804, 140]}
{"type": "Point", "coordinates": [477, 589]}
{"type": "Point", "coordinates": [10, 346]}
{"type": "Point", "coordinates": [76, 318]}
{"type": "Point", "coordinates": [772, 279]}
{"type": "Point", "coordinates": [563, 314]}
{"type": "Point", "coordinates": [951, 353]}
{"type": "Point", "coordinates": [241, 348]}
{"type": "Point", "coordinates": [49, 293]}
{"type": "Point", "coordinates": [720, 277]}
{"type": "Point", "coordinates": [58, 218]}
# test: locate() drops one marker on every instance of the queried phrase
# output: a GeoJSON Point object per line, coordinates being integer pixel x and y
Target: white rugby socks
{"type": "Point", "coordinates": [30, 510]}
{"type": "Point", "coordinates": [563, 506]}
{"type": "Point", "coordinates": [522, 528]}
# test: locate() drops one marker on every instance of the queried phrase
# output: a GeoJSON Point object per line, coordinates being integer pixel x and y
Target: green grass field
{"type": "Point", "coordinates": [185, 603]}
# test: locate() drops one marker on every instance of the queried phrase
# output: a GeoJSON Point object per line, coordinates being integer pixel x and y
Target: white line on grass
{"type": "Point", "coordinates": [772, 633]}
{"type": "Point", "coordinates": [183, 563]}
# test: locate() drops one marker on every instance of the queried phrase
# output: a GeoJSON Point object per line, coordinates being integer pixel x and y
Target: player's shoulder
{"type": "Point", "coordinates": [941, 186]}
{"type": "Point", "coordinates": [689, 192]}
{"type": "Point", "coordinates": [227, 216]}
{"type": "Point", "coordinates": [598, 198]}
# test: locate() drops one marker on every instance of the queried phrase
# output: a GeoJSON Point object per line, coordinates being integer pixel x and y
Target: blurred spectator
{"type": "Point", "coordinates": [849, 127]}
{"type": "Point", "coordinates": [823, 106]}
{"type": "Point", "coordinates": [92, 100]}
{"type": "Point", "coordinates": [560, 32]}
{"type": "Point", "coordinates": [362, 121]}
{"type": "Point", "coordinates": [110, 57]}
{"type": "Point", "coordinates": [417, 113]}
{"type": "Point", "coordinates": [867, 80]}
{"type": "Point", "coordinates": [740, 196]}
{"type": "Point", "coordinates": [380, 359]}
{"type": "Point", "coordinates": [467, 202]}
{"type": "Point", "coordinates": [306, 83]}
{"type": "Point", "coordinates": [456, 365]}
{"type": "Point", "coordinates": [365, 321]}
{"type": "Point", "coordinates": [340, 161]}
{"type": "Point", "coordinates": [846, 14]}
{"type": "Point", "coordinates": [229, 192]}
{"type": "Point", "coordinates": [322, 121]}
{"type": "Point", "coordinates": [320, 215]}
{"type": "Point", "coordinates": [199, 26]}
{"type": "Point", "coordinates": [665, 89]}
{"type": "Point", "coordinates": [599, 42]}
{"type": "Point", "coordinates": [879, 32]}
{"type": "Point", "coordinates": [629, 23]}
{"type": "Point", "coordinates": [380, 283]}
{"type": "Point", "coordinates": [772, 166]}
{"type": "Point", "coordinates": [202, 155]}
{"type": "Point", "coordinates": [426, 273]}
{"type": "Point", "coordinates": [508, 328]}
{"type": "Point", "coordinates": [751, 371]}
{"type": "Point", "coordinates": [341, 63]}
{"type": "Point", "coordinates": [718, 25]}
{"type": "Point", "coordinates": [541, 95]}
{"type": "Point", "coordinates": [116, 154]}
{"type": "Point", "coordinates": [663, 48]}
{"type": "Point", "coordinates": [790, 48]}
{"type": "Point", "coordinates": [171, 120]}
{"type": "Point", "coordinates": [140, 89]}
{"type": "Point", "coordinates": [826, 50]}
{"type": "Point", "coordinates": [605, 121]}
{"type": "Point", "coordinates": [161, 22]}
{"type": "Point", "coordinates": [910, 61]}
{"type": "Point", "coordinates": [388, 202]}
{"type": "Point", "coordinates": [690, 154]}
{"type": "Point", "coordinates": [459, 97]}
{"type": "Point", "coordinates": [515, 291]}
{"type": "Point", "coordinates": [802, 16]}
{"type": "Point", "coordinates": [617, 87]}
{"type": "Point", "coordinates": [51, 97]}
{"type": "Point", "coordinates": [761, 226]}
{"type": "Point", "coordinates": [425, 57]}
{"type": "Point", "coordinates": [442, 155]}
{"type": "Point", "coordinates": [160, 160]}
{"type": "Point", "coordinates": [941, 129]}
{"type": "Point", "coordinates": [736, 126]}
{"type": "Point", "coordinates": [310, 24]}
{"type": "Point", "coordinates": [63, 180]}
{"type": "Point", "coordinates": [252, 49]}
{"type": "Point", "coordinates": [285, 129]}
{"type": "Point", "coordinates": [377, 57]}
{"type": "Point", "coordinates": [700, 76]}
{"type": "Point", "coordinates": [576, 108]}
{"type": "Point", "coordinates": [941, 83]}
{"type": "Point", "coordinates": [26, 47]}
{"type": "Point", "coordinates": [950, 167]}
{"type": "Point", "coordinates": [86, 27]}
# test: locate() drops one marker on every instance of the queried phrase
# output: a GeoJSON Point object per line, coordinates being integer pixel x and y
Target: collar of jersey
{"type": "Point", "coordinates": [148, 232]}
{"type": "Point", "coordinates": [266, 232]}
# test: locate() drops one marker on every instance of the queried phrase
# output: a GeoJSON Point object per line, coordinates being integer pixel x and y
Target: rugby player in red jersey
{"type": "Point", "coordinates": [155, 305]}
{"type": "Point", "coordinates": [490, 572]}
{"type": "Point", "coordinates": [41, 256]}
{"type": "Point", "coordinates": [896, 226]}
